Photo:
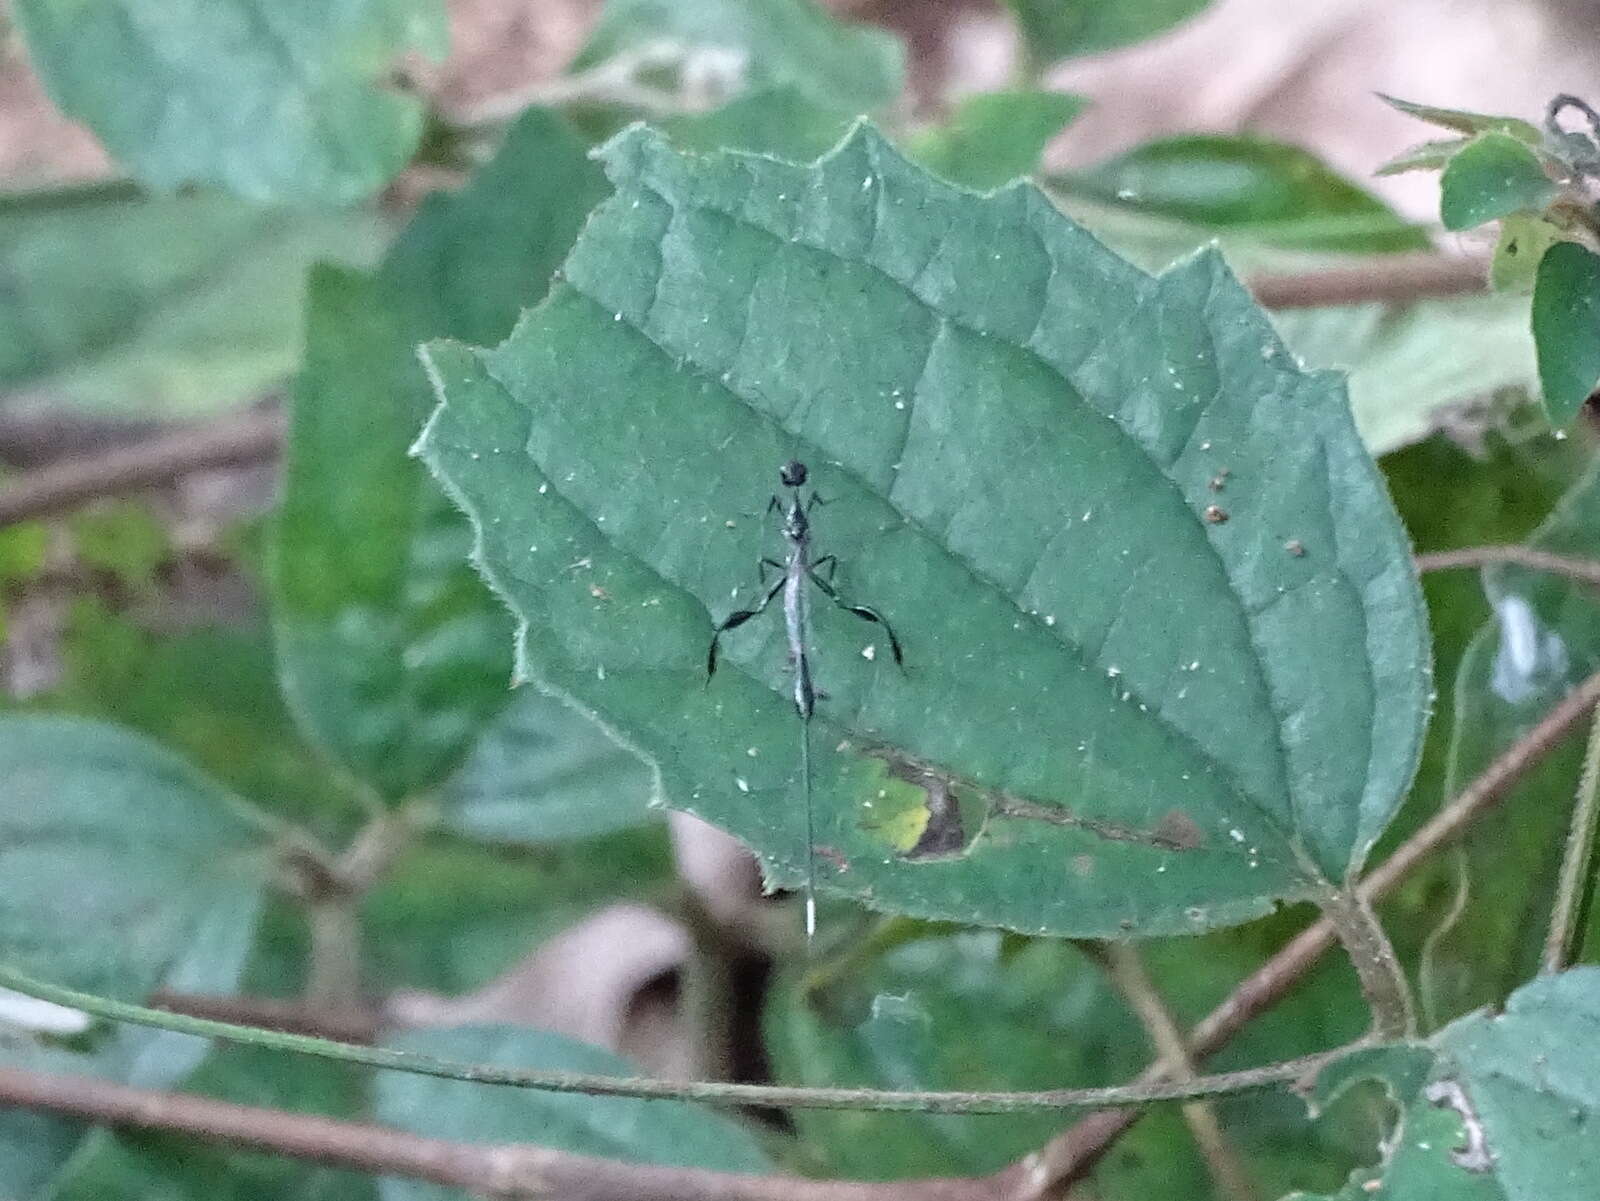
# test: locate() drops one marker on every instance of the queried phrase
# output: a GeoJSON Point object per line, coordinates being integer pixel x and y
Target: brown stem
{"type": "Point", "coordinates": [1571, 566]}
{"type": "Point", "coordinates": [1389, 279]}
{"type": "Point", "coordinates": [1383, 981]}
{"type": "Point", "coordinates": [505, 1171]}
{"type": "Point", "coordinates": [1124, 967]}
{"type": "Point", "coordinates": [1077, 1149]}
{"type": "Point", "coordinates": [247, 437]}
{"type": "Point", "coordinates": [333, 979]}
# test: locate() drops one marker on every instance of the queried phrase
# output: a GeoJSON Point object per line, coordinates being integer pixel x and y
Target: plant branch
{"type": "Point", "coordinates": [1383, 981]}
{"type": "Point", "coordinates": [711, 1091]}
{"type": "Point", "coordinates": [1571, 566]}
{"type": "Point", "coordinates": [1575, 885]}
{"type": "Point", "coordinates": [505, 1171]}
{"type": "Point", "coordinates": [239, 438]}
{"type": "Point", "coordinates": [1124, 967]}
{"type": "Point", "coordinates": [1077, 1149]}
{"type": "Point", "coordinates": [1388, 279]}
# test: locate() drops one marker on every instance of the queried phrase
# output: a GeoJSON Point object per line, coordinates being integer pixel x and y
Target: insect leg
{"type": "Point", "coordinates": [862, 611]}
{"type": "Point", "coordinates": [733, 621]}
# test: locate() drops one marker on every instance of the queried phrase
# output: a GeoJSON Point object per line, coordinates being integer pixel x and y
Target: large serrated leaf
{"type": "Point", "coordinates": [272, 102]}
{"type": "Point", "coordinates": [1160, 620]}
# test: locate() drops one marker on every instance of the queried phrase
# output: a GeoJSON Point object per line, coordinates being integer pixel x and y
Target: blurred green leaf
{"type": "Point", "coordinates": [394, 655]}
{"type": "Point", "coordinates": [970, 1009]}
{"type": "Point", "coordinates": [114, 853]}
{"type": "Point", "coordinates": [662, 1132]}
{"type": "Point", "coordinates": [1056, 29]}
{"type": "Point", "coordinates": [1545, 638]}
{"type": "Point", "coordinates": [169, 1168]}
{"type": "Point", "coordinates": [543, 772]}
{"type": "Point", "coordinates": [769, 43]}
{"type": "Point", "coordinates": [1566, 328]}
{"type": "Point", "coordinates": [994, 137]}
{"type": "Point", "coordinates": [451, 916]}
{"type": "Point", "coordinates": [1409, 364]}
{"type": "Point", "coordinates": [965, 373]}
{"type": "Point", "coordinates": [1524, 238]}
{"type": "Point", "coordinates": [1467, 122]}
{"type": "Point", "coordinates": [782, 121]}
{"type": "Point", "coordinates": [212, 695]}
{"type": "Point", "coordinates": [1282, 194]}
{"type": "Point", "coordinates": [208, 959]}
{"type": "Point", "coordinates": [1491, 177]}
{"type": "Point", "coordinates": [292, 104]}
{"type": "Point", "coordinates": [1507, 1110]}
{"type": "Point", "coordinates": [169, 306]}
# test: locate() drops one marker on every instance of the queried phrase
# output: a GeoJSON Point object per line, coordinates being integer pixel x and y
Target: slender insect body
{"type": "Point", "coordinates": [798, 569]}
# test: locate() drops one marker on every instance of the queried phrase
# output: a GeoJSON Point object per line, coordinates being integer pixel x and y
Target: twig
{"type": "Point", "coordinates": [499, 1170]}
{"type": "Point", "coordinates": [1575, 885]}
{"type": "Point", "coordinates": [1077, 1149]}
{"type": "Point", "coordinates": [1389, 279]}
{"type": "Point", "coordinates": [1125, 969]}
{"type": "Point", "coordinates": [240, 438]}
{"type": "Point", "coordinates": [1571, 566]}
{"type": "Point", "coordinates": [710, 1091]}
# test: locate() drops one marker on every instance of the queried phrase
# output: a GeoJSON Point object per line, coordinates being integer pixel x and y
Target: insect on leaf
{"type": "Point", "coordinates": [1166, 660]}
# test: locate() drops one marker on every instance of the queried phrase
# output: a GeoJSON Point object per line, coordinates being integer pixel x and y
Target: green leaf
{"type": "Point", "coordinates": [1508, 1109]}
{"type": "Point", "coordinates": [1281, 193]}
{"type": "Point", "coordinates": [1056, 29]}
{"type": "Point", "coordinates": [662, 1132]}
{"type": "Point", "coordinates": [1060, 477]}
{"type": "Point", "coordinates": [113, 855]}
{"type": "Point", "coordinates": [1467, 122]}
{"type": "Point", "coordinates": [781, 121]}
{"type": "Point", "coordinates": [209, 959]}
{"type": "Point", "coordinates": [1545, 638]}
{"type": "Point", "coordinates": [543, 772]}
{"type": "Point", "coordinates": [393, 653]}
{"type": "Point", "coordinates": [1566, 327]}
{"type": "Point", "coordinates": [1524, 238]}
{"type": "Point", "coordinates": [1028, 1016]}
{"type": "Point", "coordinates": [139, 305]}
{"type": "Point", "coordinates": [995, 137]}
{"type": "Point", "coordinates": [771, 43]}
{"type": "Point", "coordinates": [1493, 176]}
{"type": "Point", "coordinates": [271, 103]}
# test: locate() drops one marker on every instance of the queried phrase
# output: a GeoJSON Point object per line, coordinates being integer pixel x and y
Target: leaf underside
{"type": "Point", "coordinates": [1165, 649]}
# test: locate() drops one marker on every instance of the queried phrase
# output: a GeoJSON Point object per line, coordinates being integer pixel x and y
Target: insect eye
{"type": "Point", "coordinates": [792, 473]}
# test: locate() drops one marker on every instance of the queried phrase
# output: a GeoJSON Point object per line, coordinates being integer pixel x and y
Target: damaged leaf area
{"type": "Point", "coordinates": [1165, 654]}
{"type": "Point", "coordinates": [1494, 1107]}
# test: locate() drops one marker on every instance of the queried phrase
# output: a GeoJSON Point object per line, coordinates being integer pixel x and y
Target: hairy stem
{"type": "Point", "coordinates": [1575, 886]}
{"type": "Point", "coordinates": [714, 1092]}
{"type": "Point", "coordinates": [1383, 980]}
